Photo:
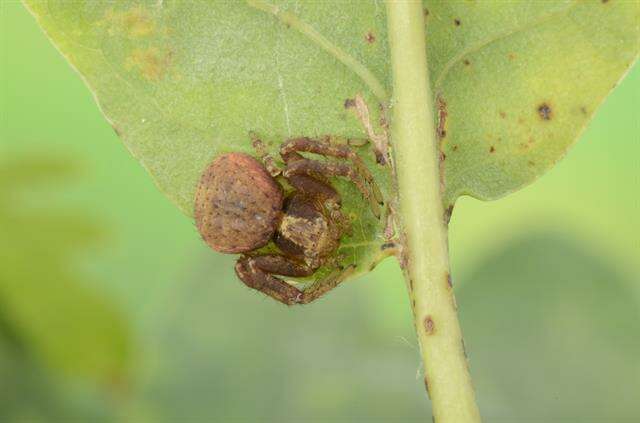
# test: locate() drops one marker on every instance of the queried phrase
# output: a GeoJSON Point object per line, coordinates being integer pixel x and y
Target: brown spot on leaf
{"type": "Point", "coordinates": [429, 326]}
{"type": "Point", "coordinates": [454, 148]}
{"type": "Point", "coordinates": [133, 23]}
{"type": "Point", "coordinates": [466, 62]}
{"type": "Point", "coordinates": [511, 56]}
{"type": "Point", "coordinates": [545, 112]}
{"type": "Point", "coordinates": [387, 245]}
{"type": "Point", "coordinates": [349, 103]}
{"type": "Point", "coordinates": [457, 22]}
{"type": "Point", "coordinates": [584, 111]}
{"type": "Point", "coordinates": [449, 281]}
{"type": "Point", "coordinates": [426, 12]}
{"type": "Point", "coordinates": [151, 62]}
{"type": "Point", "coordinates": [492, 149]}
{"type": "Point", "coordinates": [426, 385]}
{"type": "Point", "coordinates": [503, 115]}
{"type": "Point", "coordinates": [370, 38]}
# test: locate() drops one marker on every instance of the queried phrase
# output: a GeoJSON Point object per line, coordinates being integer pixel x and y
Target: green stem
{"type": "Point", "coordinates": [425, 256]}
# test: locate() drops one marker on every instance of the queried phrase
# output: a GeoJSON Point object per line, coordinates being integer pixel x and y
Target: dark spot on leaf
{"type": "Point", "coordinates": [449, 281]}
{"type": "Point", "coordinates": [466, 62]}
{"type": "Point", "coordinates": [454, 148]}
{"type": "Point", "coordinates": [457, 22]}
{"type": "Point", "coordinates": [426, 385]}
{"type": "Point", "coordinates": [511, 56]}
{"type": "Point", "coordinates": [605, 1]}
{"type": "Point", "coordinates": [492, 149]}
{"type": "Point", "coordinates": [503, 115]}
{"type": "Point", "coordinates": [429, 326]}
{"type": "Point", "coordinates": [370, 38]}
{"type": "Point", "coordinates": [413, 302]}
{"type": "Point", "coordinates": [426, 12]}
{"type": "Point", "coordinates": [545, 112]}
{"type": "Point", "coordinates": [583, 110]}
{"type": "Point", "coordinates": [387, 245]}
{"type": "Point", "coordinates": [349, 103]}
{"type": "Point", "coordinates": [464, 349]}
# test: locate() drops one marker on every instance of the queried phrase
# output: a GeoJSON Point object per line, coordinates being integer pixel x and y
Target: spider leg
{"type": "Point", "coordinates": [321, 287]}
{"type": "Point", "coordinates": [325, 193]}
{"type": "Point", "coordinates": [267, 159]}
{"type": "Point", "coordinates": [313, 167]}
{"type": "Point", "coordinates": [331, 146]}
{"type": "Point", "coordinates": [257, 273]}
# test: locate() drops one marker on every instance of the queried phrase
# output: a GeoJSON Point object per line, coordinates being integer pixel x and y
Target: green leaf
{"type": "Point", "coordinates": [46, 306]}
{"type": "Point", "coordinates": [516, 83]}
{"type": "Point", "coordinates": [182, 82]}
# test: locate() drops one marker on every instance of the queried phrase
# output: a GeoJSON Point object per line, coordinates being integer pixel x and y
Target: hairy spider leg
{"type": "Point", "coordinates": [331, 146]}
{"type": "Point", "coordinates": [321, 287]}
{"type": "Point", "coordinates": [310, 167]}
{"type": "Point", "coordinates": [257, 273]}
{"type": "Point", "coordinates": [325, 193]}
{"type": "Point", "coordinates": [268, 160]}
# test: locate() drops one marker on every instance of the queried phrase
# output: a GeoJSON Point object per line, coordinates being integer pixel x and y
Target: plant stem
{"type": "Point", "coordinates": [425, 251]}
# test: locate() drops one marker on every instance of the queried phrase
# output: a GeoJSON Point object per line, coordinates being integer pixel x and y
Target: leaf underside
{"type": "Point", "coordinates": [514, 83]}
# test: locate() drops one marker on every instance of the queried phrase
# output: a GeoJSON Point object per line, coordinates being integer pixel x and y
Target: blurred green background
{"type": "Point", "coordinates": [112, 309]}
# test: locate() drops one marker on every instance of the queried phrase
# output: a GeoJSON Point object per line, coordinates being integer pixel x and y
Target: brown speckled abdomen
{"type": "Point", "coordinates": [238, 204]}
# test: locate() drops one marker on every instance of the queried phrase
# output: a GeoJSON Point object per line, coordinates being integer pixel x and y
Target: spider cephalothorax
{"type": "Point", "coordinates": [240, 207]}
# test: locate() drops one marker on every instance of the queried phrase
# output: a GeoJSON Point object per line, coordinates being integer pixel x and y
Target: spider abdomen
{"type": "Point", "coordinates": [238, 204]}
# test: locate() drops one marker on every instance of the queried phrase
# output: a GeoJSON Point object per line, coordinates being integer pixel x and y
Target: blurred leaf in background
{"type": "Point", "coordinates": [553, 332]}
{"type": "Point", "coordinates": [49, 314]}
{"type": "Point", "coordinates": [221, 352]}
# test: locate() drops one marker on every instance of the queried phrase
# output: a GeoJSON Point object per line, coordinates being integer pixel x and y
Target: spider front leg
{"type": "Point", "coordinates": [258, 273]}
{"type": "Point", "coordinates": [268, 160]}
{"type": "Point", "coordinates": [357, 172]}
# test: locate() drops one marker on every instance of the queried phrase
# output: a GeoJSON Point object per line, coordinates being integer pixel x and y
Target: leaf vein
{"type": "Point", "coordinates": [483, 43]}
{"type": "Point", "coordinates": [321, 41]}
